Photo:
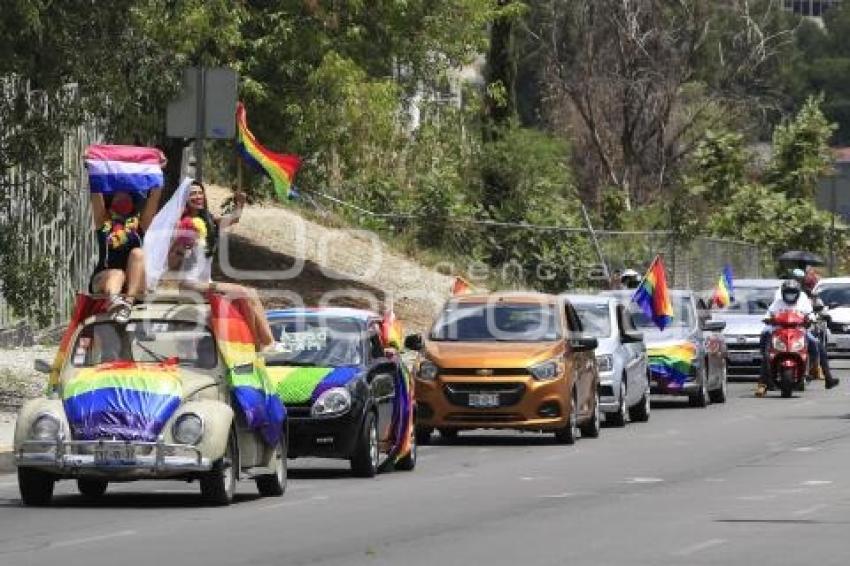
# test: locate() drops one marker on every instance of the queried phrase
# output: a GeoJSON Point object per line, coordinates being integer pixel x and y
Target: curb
{"type": "Point", "coordinates": [7, 462]}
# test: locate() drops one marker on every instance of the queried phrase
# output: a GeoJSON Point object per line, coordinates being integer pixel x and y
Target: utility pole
{"type": "Point", "coordinates": [832, 208]}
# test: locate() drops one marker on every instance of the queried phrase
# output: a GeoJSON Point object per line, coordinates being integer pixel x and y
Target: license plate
{"type": "Point", "coordinates": [111, 455]}
{"type": "Point", "coordinates": [483, 399]}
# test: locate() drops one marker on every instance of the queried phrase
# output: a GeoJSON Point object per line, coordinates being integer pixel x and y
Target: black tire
{"type": "Point", "coordinates": [786, 382]}
{"type": "Point", "coordinates": [700, 398]}
{"type": "Point", "coordinates": [719, 395]}
{"type": "Point", "coordinates": [36, 487]}
{"type": "Point", "coordinates": [408, 463]}
{"type": "Point", "coordinates": [448, 434]}
{"type": "Point", "coordinates": [640, 412]}
{"type": "Point", "coordinates": [274, 485]}
{"type": "Point", "coordinates": [423, 435]}
{"type": "Point", "coordinates": [619, 418]}
{"type": "Point", "coordinates": [219, 486]}
{"type": "Point", "coordinates": [570, 432]}
{"type": "Point", "coordinates": [92, 488]}
{"type": "Point", "coordinates": [590, 429]}
{"type": "Point", "coordinates": [366, 457]}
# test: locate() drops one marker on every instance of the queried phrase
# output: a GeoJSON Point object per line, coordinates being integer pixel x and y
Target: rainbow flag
{"type": "Point", "coordinates": [84, 307]}
{"type": "Point", "coordinates": [124, 400]}
{"type": "Point", "coordinates": [460, 286]}
{"type": "Point", "coordinates": [246, 371]}
{"type": "Point", "coordinates": [392, 333]}
{"type": "Point", "coordinates": [672, 363]}
{"type": "Point", "coordinates": [303, 385]}
{"type": "Point", "coordinates": [280, 168]}
{"type": "Point", "coordinates": [724, 292]}
{"type": "Point", "coordinates": [128, 168]}
{"type": "Point", "coordinates": [403, 413]}
{"type": "Point", "coordinates": [653, 295]}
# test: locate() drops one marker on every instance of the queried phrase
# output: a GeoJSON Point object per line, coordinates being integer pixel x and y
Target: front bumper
{"type": "Point", "coordinates": [609, 393]}
{"type": "Point", "coordinates": [663, 386]}
{"type": "Point", "coordinates": [111, 458]}
{"type": "Point", "coordinates": [323, 437]}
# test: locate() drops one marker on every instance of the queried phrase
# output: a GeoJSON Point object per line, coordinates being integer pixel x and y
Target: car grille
{"type": "Point", "coordinates": [751, 343]}
{"type": "Point", "coordinates": [297, 411]}
{"type": "Point", "coordinates": [484, 417]}
{"type": "Point", "coordinates": [509, 393]}
{"type": "Point", "coordinates": [497, 372]}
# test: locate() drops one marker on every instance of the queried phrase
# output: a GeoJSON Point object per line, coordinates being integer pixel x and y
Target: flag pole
{"type": "Point", "coordinates": [645, 273]}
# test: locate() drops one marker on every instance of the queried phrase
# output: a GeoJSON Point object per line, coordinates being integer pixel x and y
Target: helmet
{"type": "Point", "coordinates": [790, 291]}
{"type": "Point", "coordinates": [630, 278]}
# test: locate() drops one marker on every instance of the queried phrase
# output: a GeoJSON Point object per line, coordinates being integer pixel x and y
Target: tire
{"type": "Point", "coordinates": [219, 486]}
{"type": "Point", "coordinates": [786, 382]}
{"type": "Point", "coordinates": [640, 412]}
{"type": "Point", "coordinates": [274, 485]}
{"type": "Point", "coordinates": [619, 418]}
{"type": "Point", "coordinates": [719, 395]}
{"type": "Point", "coordinates": [700, 399]}
{"type": "Point", "coordinates": [91, 488]}
{"type": "Point", "coordinates": [423, 435]}
{"type": "Point", "coordinates": [448, 434]}
{"type": "Point", "coordinates": [590, 429]}
{"type": "Point", "coordinates": [36, 487]}
{"type": "Point", "coordinates": [569, 433]}
{"type": "Point", "coordinates": [366, 457]}
{"type": "Point", "coordinates": [408, 463]}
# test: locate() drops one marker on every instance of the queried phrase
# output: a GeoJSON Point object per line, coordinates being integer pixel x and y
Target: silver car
{"type": "Point", "coordinates": [620, 356]}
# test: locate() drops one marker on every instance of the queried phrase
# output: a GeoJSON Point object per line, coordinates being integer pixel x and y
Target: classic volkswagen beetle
{"type": "Point", "coordinates": [164, 396]}
{"type": "Point", "coordinates": [347, 393]}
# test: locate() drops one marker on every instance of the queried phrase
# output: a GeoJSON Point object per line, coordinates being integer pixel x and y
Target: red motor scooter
{"type": "Point", "coordinates": [788, 355]}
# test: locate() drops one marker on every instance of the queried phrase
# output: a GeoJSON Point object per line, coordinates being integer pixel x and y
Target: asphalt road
{"type": "Point", "coordinates": [755, 481]}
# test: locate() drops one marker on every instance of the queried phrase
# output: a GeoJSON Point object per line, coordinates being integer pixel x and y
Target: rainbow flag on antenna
{"type": "Point", "coordinates": [653, 295]}
{"type": "Point", "coordinates": [278, 167]}
{"type": "Point", "coordinates": [724, 292]}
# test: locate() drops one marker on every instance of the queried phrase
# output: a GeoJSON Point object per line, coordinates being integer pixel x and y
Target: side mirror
{"type": "Point", "coordinates": [631, 337]}
{"type": "Point", "coordinates": [41, 366]}
{"type": "Point", "coordinates": [584, 344]}
{"type": "Point", "coordinates": [413, 342]}
{"type": "Point", "coordinates": [713, 325]}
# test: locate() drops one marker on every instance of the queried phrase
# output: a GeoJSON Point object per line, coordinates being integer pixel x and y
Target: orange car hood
{"type": "Point", "coordinates": [491, 354]}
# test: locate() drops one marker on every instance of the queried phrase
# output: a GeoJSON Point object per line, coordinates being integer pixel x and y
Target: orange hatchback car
{"type": "Point", "coordinates": [506, 361]}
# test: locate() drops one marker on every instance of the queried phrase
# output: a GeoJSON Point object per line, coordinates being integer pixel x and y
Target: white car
{"type": "Point", "coordinates": [835, 293]}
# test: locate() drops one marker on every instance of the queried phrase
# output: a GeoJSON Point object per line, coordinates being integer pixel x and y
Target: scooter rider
{"type": "Point", "coordinates": [791, 297]}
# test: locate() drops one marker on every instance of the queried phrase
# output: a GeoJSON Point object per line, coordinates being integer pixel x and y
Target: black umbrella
{"type": "Point", "coordinates": [797, 256]}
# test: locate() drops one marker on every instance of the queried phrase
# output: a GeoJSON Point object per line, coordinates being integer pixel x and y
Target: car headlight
{"type": "Point", "coordinates": [546, 370]}
{"type": "Point", "coordinates": [778, 344]}
{"type": "Point", "coordinates": [605, 362]}
{"type": "Point", "coordinates": [428, 370]}
{"type": "Point", "coordinates": [188, 429]}
{"type": "Point", "coordinates": [334, 401]}
{"type": "Point", "coordinates": [45, 427]}
{"type": "Point", "coordinates": [798, 345]}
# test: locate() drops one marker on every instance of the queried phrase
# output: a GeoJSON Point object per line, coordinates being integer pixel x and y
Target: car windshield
{"type": "Point", "coordinates": [835, 295]}
{"type": "Point", "coordinates": [317, 341]}
{"type": "Point", "coordinates": [683, 314]}
{"type": "Point", "coordinates": [146, 342]}
{"type": "Point", "coordinates": [751, 300]}
{"type": "Point", "coordinates": [595, 319]}
{"type": "Point", "coordinates": [497, 322]}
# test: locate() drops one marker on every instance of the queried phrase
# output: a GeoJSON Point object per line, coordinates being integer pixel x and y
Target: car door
{"type": "Point", "coordinates": [584, 362]}
{"type": "Point", "coordinates": [636, 366]}
{"type": "Point", "coordinates": [381, 381]}
{"type": "Point", "coordinates": [706, 343]}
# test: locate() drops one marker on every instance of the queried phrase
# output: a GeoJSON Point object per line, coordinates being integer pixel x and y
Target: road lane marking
{"type": "Point", "coordinates": [810, 510]}
{"type": "Point", "coordinates": [817, 482]}
{"type": "Point", "coordinates": [805, 449]}
{"type": "Point", "coordinates": [79, 541]}
{"type": "Point", "coordinates": [700, 547]}
{"type": "Point", "coordinates": [643, 480]}
{"type": "Point", "coordinates": [755, 497]}
{"type": "Point", "coordinates": [557, 495]}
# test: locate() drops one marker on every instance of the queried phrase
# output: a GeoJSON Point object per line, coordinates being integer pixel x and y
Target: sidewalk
{"type": "Point", "coordinates": [7, 433]}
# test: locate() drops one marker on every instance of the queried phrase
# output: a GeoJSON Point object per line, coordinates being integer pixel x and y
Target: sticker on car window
{"type": "Point", "coordinates": [308, 340]}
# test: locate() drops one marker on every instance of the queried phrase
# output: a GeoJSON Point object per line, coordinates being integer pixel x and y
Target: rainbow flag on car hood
{"type": "Point", "coordinates": [128, 168]}
{"type": "Point", "coordinates": [653, 295]}
{"type": "Point", "coordinates": [125, 400]}
{"type": "Point", "coordinates": [672, 362]}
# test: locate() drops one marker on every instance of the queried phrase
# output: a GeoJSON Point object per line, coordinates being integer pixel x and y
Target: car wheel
{"type": "Point", "coordinates": [640, 412]}
{"type": "Point", "coordinates": [619, 418]}
{"type": "Point", "coordinates": [590, 429]}
{"type": "Point", "coordinates": [36, 487]}
{"type": "Point", "coordinates": [366, 457]}
{"type": "Point", "coordinates": [92, 488]}
{"type": "Point", "coordinates": [273, 485]}
{"type": "Point", "coordinates": [719, 394]}
{"type": "Point", "coordinates": [423, 435]}
{"type": "Point", "coordinates": [569, 433]}
{"type": "Point", "coordinates": [700, 398]}
{"type": "Point", "coordinates": [448, 434]}
{"type": "Point", "coordinates": [408, 463]}
{"type": "Point", "coordinates": [219, 486]}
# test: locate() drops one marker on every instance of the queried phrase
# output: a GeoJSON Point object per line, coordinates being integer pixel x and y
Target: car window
{"type": "Point", "coordinates": [835, 295]}
{"type": "Point", "coordinates": [751, 300]}
{"type": "Point", "coordinates": [146, 341]}
{"type": "Point", "coordinates": [595, 319]}
{"type": "Point", "coordinates": [316, 341]}
{"type": "Point", "coordinates": [498, 322]}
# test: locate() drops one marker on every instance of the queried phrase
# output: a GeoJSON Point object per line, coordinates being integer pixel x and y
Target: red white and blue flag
{"type": "Point", "coordinates": [129, 168]}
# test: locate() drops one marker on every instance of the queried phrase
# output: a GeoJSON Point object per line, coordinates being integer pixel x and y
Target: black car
{"type": "Point", "coordinates": [346, 395]}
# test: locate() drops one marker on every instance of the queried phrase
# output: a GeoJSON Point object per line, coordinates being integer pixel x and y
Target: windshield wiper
{"type": "Point", "coordinates": [151, 353]}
